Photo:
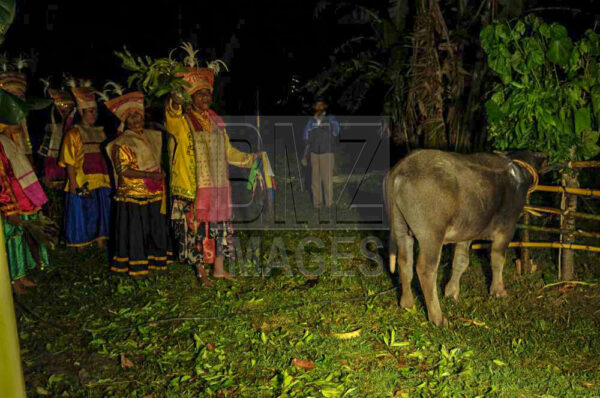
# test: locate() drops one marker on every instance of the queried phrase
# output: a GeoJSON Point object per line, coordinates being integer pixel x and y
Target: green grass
{"type": "Point", "coordinates": [86, 324]}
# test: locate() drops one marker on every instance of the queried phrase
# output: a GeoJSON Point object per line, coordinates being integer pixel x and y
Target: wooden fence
{"type": "Point", "coordinates": [565, 229]}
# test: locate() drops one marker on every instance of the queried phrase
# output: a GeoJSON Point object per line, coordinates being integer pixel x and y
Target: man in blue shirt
{"type": "Point", "coordinates": [319, 135]}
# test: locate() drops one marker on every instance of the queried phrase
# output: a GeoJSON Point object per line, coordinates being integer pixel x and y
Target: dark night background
{"type": "Point", "coordinates": [264, 43]}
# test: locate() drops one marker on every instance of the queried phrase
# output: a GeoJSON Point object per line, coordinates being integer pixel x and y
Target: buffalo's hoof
{"type": "Point", "coordinates": [499, 292]}
{"type": "Point", "coordinates": [407, 302]}
{"type": "Point", "coordinates": [442, 322]}
{"type": "Point", "coordinates": [451, 292]}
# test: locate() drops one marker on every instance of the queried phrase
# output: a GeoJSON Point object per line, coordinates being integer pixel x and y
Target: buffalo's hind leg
{"type": "Point", "coordinates": [459, 265]}
{"type": "Point", "coordinates": [402, 250]}
{"type": "Point", "coordinates": [405, 264]}
{"type": "Point", "coordinates": [427, 266]}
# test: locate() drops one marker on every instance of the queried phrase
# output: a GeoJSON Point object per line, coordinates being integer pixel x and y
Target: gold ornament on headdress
{"type": "Point", "coordinates": [83, 92]}
{"type": "Point", "coordinates": [199, 78]}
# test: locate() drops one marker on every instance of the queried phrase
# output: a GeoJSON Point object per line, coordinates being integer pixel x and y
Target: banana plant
{"type": "Point", "coordinates": [12, 109]}
{"type": "Point", "coordinates": [7, 15]}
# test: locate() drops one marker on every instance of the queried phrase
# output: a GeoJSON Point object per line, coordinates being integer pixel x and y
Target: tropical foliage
{"type": "Point", "coordinates": [7, 15]}
{"type": "Point", "coordinates": [548, 94]}
{"type": "Point", "coordinates": [12, 108]}
{"type": "Point", "coordinates": [375, 56]}
{"type": "Point", "coordinates": [432, 78]}
{"type": "Point", "coordinates": [156, 77]}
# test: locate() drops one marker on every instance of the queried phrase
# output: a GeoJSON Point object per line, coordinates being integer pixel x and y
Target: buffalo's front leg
{"type": "Point", "coordinates": [427, 265]}
{"type": "Point", "coordinates": [459, 265]}
{"type": "Point", "coordinates": [498, 257]}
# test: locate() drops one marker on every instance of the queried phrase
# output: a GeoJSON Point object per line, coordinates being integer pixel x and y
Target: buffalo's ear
{"type": "Point", "coordinates": [502, 153]}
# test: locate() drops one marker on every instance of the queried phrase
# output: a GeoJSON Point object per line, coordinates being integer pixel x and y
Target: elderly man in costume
{"type": "Point", "coordinates": [87, 204]}
{"type": "Point", "coordinates": [54, 175]}
{"type": "Point", "coordinates": [141, 237]}
{"type": "Point", "coordinates": [15, 83]}
{"type": "Point", "coordinates": [21, 199]}
{"type": "Point", "coordinates": [200, 188]}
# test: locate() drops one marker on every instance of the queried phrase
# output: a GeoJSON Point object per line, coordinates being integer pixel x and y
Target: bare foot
{"type": "Point", "coordinates": [224, 275]}
{"type": "Point", "coordinates": [18, 288]}
{"type": "Point", "coordinates": [101, 244]}
{"type": "Point", "coordinates": [27, 283]}
{"type": "Point", "coordinates": [202, 275]}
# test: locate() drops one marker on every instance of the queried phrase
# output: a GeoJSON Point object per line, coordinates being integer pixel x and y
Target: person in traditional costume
{"type": "Point", "coordinates": [200, 189]}
{"type": "Point", "coordinates": [21, 199]}
{"type": "Point", "coordinates": [141, 237]}
{"type": "Point", "coordinates": [15, 83]}
{"type": "Point", "coordinates": [87, 203]}
{"type": "Point", "coordinates": [63, 103]}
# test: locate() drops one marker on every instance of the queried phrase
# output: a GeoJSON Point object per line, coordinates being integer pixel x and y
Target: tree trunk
{"type": "Point", "coordinates": [568, 223]}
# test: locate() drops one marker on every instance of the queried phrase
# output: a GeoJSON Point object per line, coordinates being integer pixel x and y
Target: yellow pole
{"type": "Point", "coordinates": [11, 374]}
{"type": "Point", "coordinates": [542, 245]}
{"type": "Point", "coordinates": [571, 190]}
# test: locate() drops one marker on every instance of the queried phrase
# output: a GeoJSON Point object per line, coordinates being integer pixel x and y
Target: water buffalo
{"type": "Point", "coordinates": [442, 197]}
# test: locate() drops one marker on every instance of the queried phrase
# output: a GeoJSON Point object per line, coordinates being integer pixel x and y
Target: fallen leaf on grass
{"type": "Point", "coordinates": [565, 288]}
{"type": "Point", "coordinates": [587, 384]}
{"type": "Point", "coordinates": [303, 364]}
{"type": "Point", "coordinates": [499, 362]}
{"type": "Point", "coordinates": [42, 391]}
{"type": "Point", "coordinates": [210, 347]}
{"type": "Point", "coordinates": [473, 322]}
{"type": "Point", "coordinates": [126, 363]}
{"type": "Point", "coordinates": [346, 336]}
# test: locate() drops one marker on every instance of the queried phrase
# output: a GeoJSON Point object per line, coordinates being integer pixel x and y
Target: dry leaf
{"type": "Point", "coordinates": [565, 288]}
{"type": "Point", "coordinates": [210, 347]}
{"type": "Point", "coordinates": [473, 322]}
{"type": "Point", "coordinates": [303, 364]}
{"type": "Point", "coordinates": [348, 335]}
{"type": "Point", "coordinates": [126, 363]}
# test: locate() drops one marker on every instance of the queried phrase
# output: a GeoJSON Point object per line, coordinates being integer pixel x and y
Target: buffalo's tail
{"type": "Point", "coordinates": [388, 189]}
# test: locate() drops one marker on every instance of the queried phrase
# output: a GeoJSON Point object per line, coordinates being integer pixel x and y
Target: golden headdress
{"type": "Point", "coordinates": [84, 93]}
{"type": "Point", "coordinates": [63, 101]}
{"type": "Point", "coordinates": [124, 105]}
{"type": "Point", "coordinates": [199, 78]}
{"type": "Point", "coordinates": [12, 79]}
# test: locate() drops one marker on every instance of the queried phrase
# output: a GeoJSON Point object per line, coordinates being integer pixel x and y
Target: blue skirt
{"type": "Point", "coordinates": [87, 218]}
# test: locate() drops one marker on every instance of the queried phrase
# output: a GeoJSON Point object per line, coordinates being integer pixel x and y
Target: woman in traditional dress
{"type": "Point", "coordinates": [21, 198]}
{"type": "Point", "coordinates": [141, 237]}
{"type": "Point", "coordinates": [87, 204]}
{"type": "Point", "coordinates": [54, 175]}
{"type": "Point", "coordinates": [200, 188]}
{"type": "Point", "coordinates": [15, 83]}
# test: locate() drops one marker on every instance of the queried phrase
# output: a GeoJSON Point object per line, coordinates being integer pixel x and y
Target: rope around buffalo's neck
{"type": "Point", "coordinates": [531, 170]}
